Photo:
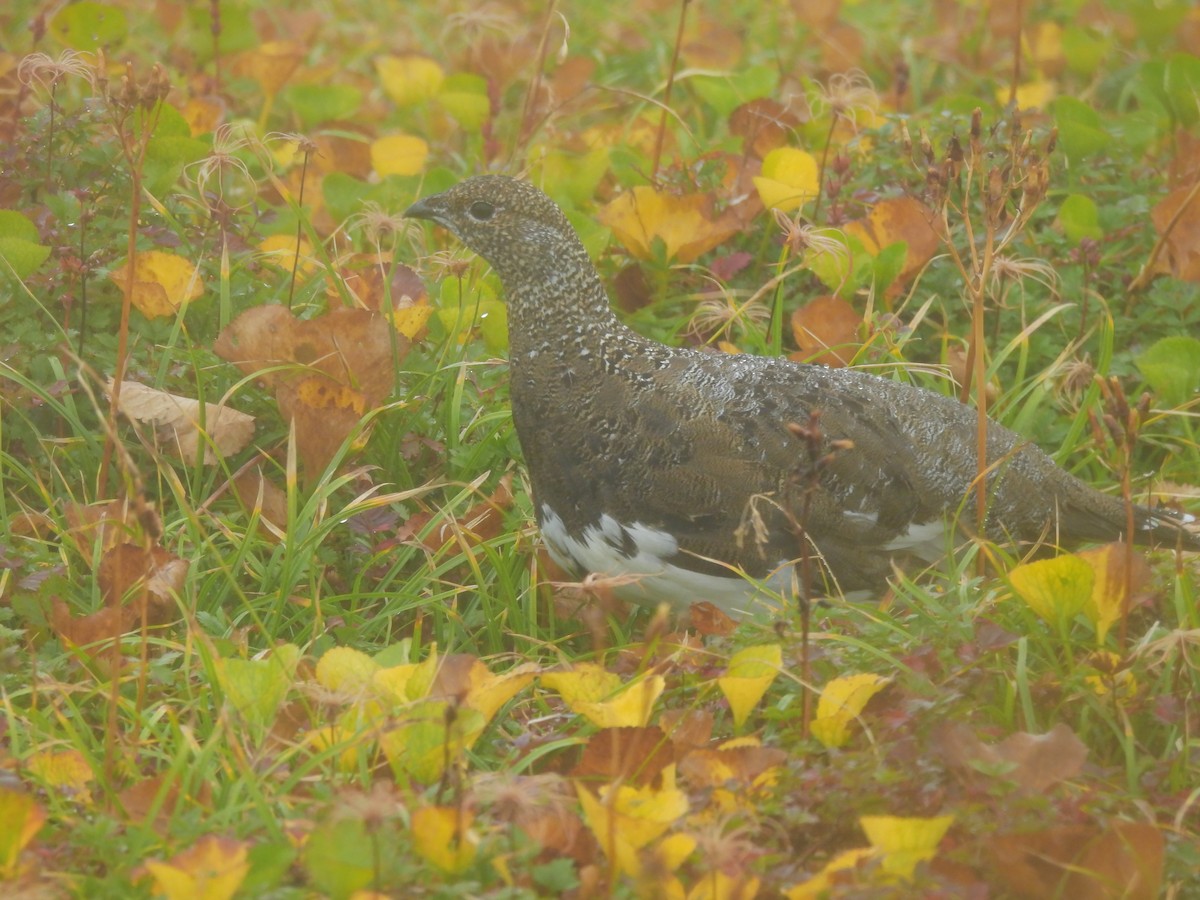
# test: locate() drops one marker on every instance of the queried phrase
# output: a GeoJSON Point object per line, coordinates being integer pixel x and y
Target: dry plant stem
{"type": "Point", "coordinates": [536, 81]}
{"type": "Point", "coordinates": [1016, 53]}
{"type": "Point", "coordinates": [1146, 274]}
{"type": "Point", "coordinates": [299, 230]}
{"type": "Point", "coordinates": [134, 159]}
{"type": "Point", "coordinates": [662, 122]}
{"type": "Point", "coordinates": [214, 11]}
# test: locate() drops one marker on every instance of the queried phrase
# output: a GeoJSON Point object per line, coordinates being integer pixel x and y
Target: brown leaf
{"type": "Point", "coordinates": [765, 124]}
{"type": "Point", "coordinates": [1082, 862]}
{"type": "Point", "coordinates": [258, 493]}
{"type": "Point", "coordinates": [326, 372]}
{"type": "Point", "coordinates": [630, 755]}
{"type": "Point", "coordinates": [710, 620]}
{"type": "Point", "coordinates": [826, 331]}
{"type": "Point", "coordinates": [717, 767]}
{"type": "Point", "coordinates": [177, 419]}
{"type": "Point", "coordinates": [1183, 242]}
{"type": "Point", "coordinates": [1037, 761]}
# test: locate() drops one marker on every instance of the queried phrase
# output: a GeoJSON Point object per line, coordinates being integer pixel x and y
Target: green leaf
{"type": "Point", "coordinates": [725, 93]}
{"type": "Point", "coordinates": [317, 103]}
{"type": "Point", "coordinates": [88, 25]}
{"type": "Point", "coordinates": [464, 95]}
{"type": "Point", "coordinates": [1079, 218]}
{"type": "Point", "coordinates": [343, 856]}
{"type": "Point", "coordinates": [1181, 85]}
{"type": "Point", "coordinates": [256, 687]}
{"type": "Point", "coordinates": [1083, 50]}
{"type": "Point", "coordinates": [889, 263]}
{"type": "Point", "coordinates": [1172, 368]}
{"type": "Point", "coordinates": [19, 247]}
{"type": "Point", "coordinates": [1080, 132]}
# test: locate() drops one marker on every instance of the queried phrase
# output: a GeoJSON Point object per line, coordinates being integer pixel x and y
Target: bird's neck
{"type": "Point", "coordinates": [560, 309]}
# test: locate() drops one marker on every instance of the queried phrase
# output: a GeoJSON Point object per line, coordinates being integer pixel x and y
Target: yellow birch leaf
{"type": "Point", "coordinates": [624, 819]}
{"type": "Point", "coordinates": [1056, 589]}
{"type": "Point", "coordinates": [602, 697]}
{"type": "Point", "coordinates": [67, 772]}
{"type": "Point", "coordinates": [841, 702]}
{"type": "Point", "coordinates": [1031, 95]}
{"type": "Point", "coordinates": [346, 670]}
{"type": "Point", "coordinates": [392, 682]}
{"type": "Point", "coordinates": [639, 216]}
{"type": "Point", "coordinates": [443, 836]}
{"type": "Point", "coordinates": [283, 251]}
{"type": "Point", "coordinates": [1110, 589]}
{"type": "Point", "coordinates": [904, 842]}
{"type": "Point", "coordinates": [162, 283]}
{"type": "Point", "coordinates": [489, 692]}
{"type": "Point", "coordinates": [398, 154]}
{"type": "Point", "coordinates": [410, 320]}
{"type": "Point", "coordinates": [409, 80]}
{"type": "Point", "coordinates": [718, 885]}
{"type": "Point", "coordinates": [20, 819]}
{"type": "Point", "coordinates": [820, 885]}
{"type": "Point", "coordinates": [789, 179]}
{"type": "Point", "coordinates": [213, 869]}
{"type": "Point", "coordinates": [750, 673]}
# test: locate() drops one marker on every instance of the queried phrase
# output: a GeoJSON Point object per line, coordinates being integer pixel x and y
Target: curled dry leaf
{"type": "Point", "coordinates": [184, 422]}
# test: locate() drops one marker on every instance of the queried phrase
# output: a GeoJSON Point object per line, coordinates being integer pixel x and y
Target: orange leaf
{"type": "Point", "coordinates": [826, 331]}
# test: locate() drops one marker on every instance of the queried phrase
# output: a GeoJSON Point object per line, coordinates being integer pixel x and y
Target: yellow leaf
{"type": "Point", "coordinates": [283, 251]}
{"type": "Point", "coordinates": [603, 698]}
{"type": "Point", "coordinates": [789, 179]}
{"type": "Point", "coordinates": [67, 772]}
{"type": "Point", "coordinates": [1116, 571]}
{"type": "Point", "coordinates": [640, 216]}
{"type": "Point", "coordinates": [398, 154]}
{"type": "Point", "coordinates": [162, 283]}
{"type": "Point", "coordinates": [443, 836]}
{"type": "Point", "coordinates": [841, 702]}
{"type": "Point", "coordinates": [1031, 95]}
{"type": "Point", "coordinates": [346, 670]}
{"type": "Point", "coordinates": [820, 885]}
{"type": "Point", "coordinates": [410, 320]}
{"type": "Point", "coordinates": [904, 842]}
{"type": "Point", "coordinates": [213, 869]}
{"type": "Point", "coordinates": [393, 682]}
{"type": "Point", "coordinates": [409, 80]}
{"type": "Point", "coordinates": [20, 819]}
{"type": "Point", "coordinates": [625, 819]}
{"type": "Point", "coordinates": [489, 692]}
{"type": "Point", "coordinates": [1056, 589]}
{"type": "Point", "coordinates": [751, 671]}
{"type": "Point", "coordinates": [717, 885]}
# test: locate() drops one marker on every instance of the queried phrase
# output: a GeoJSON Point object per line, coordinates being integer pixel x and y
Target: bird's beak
{"type": "Point", "coordinates": [427, 208]}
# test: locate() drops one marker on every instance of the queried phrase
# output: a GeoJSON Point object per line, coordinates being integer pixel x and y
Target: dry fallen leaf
{"type": "Point", "coordinates": [178, 419]}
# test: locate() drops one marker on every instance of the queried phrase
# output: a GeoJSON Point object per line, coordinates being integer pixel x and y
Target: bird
{"type": "Point", "coordinates": [686, 475]}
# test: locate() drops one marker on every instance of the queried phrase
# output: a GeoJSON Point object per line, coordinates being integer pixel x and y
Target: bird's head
{"type": "Point", "coordinates": [510, 223]}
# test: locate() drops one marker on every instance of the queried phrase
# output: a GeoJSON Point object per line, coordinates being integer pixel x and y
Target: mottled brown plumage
{"type": "Point", "coordinates": [657, 461]}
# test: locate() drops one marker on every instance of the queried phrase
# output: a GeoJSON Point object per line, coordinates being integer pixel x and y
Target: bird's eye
{"type": "Point", "coordinates": [481, 210]}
